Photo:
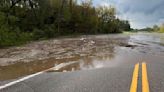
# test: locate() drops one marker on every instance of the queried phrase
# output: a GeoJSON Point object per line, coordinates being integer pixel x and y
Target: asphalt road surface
{"type": "Point", "coordinates": [114, 79]}
{"type": "Point", "coordinates": [100, 80]}
{"type": "Point", "coordinates": [138, 69]}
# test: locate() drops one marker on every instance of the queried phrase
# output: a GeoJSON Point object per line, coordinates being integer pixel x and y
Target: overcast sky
{"type": "Point", "coordinates": [140, 13]}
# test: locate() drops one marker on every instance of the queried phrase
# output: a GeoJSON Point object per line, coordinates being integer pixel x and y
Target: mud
{"type": "Point", "coordinates": [89, 52]}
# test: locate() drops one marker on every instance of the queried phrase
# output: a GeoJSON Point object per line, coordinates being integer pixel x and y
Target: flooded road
{"type": "Point", "coordinates": [85, 52]}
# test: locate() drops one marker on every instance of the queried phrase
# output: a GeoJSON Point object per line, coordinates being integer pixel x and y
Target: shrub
{"type": "Point", "coordinates": [10, 37]}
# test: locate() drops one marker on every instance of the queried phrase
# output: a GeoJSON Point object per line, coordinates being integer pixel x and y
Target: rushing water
{"type": "Point", "coordinates": [85, 52]}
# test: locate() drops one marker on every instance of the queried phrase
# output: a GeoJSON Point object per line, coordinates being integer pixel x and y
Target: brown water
{"type": "Point", "coordinates": [86, 52]}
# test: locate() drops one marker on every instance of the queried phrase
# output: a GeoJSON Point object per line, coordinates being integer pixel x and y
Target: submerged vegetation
{"type": "Point", "coordinates": [25, 20]}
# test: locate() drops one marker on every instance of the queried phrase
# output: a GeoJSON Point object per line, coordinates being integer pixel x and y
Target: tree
{"type": "Point", "coordinates": [42, 19]}
{"type": "Point", "coordinates": [162, 28]}
{"type": "Point", "coordinates": [156, 28]}
{"type": "Point", "coordinates": [107, 21]}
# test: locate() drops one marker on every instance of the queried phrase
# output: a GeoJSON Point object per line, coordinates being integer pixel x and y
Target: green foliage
{"type": "Point", "coordinates": [156, 28]}
{"type": "Point", "coordinates": [162, 28]}
{"type": "Point", "coordinates": [12, 37]}
{"type": "Point", "coordinates": [43, 19]}
{"type": "Point", "coordinates": [2, 17]}
{"type": "Point", "coordinates": [47, 32]}
{"type": "Point", "coordinates": [148, 29]}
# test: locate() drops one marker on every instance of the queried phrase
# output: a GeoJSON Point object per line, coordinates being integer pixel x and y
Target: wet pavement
{"type": "Point", "coordinates": [98, 80]}
{"type": "Point", "coordinates": [88, 53]}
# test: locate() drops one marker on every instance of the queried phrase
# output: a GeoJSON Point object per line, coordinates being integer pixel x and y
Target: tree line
{"type": "Point", "coordinates": [159, 28]}
{"type": "Point", "coordinates": [155, 28]}
{"type": "Point", "coordinates": [26, 20]}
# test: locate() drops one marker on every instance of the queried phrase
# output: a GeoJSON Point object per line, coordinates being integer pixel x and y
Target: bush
{"type": "Point", "coordinates": [10, 37]}
{"type": "Point", "coordinates": [38, 34]}
{"type": "Point", "coordinates": [47, 32]}
{"type": "Point", "coordinates": [50, 31]}
{"type": "Point", "coordinates": [45, 19]}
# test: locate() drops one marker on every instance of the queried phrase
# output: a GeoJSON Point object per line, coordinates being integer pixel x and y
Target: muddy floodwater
{"type": "Point", "coordinates": [80, 53]}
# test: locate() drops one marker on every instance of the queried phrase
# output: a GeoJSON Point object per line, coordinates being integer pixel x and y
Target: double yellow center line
{"type": "Point", "coordinates": [145, 83]}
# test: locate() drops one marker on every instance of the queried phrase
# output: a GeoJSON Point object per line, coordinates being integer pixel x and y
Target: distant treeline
{"type": "Point", "coordinates": [25, 20]}
{"type": "Point", "coordinates": [155, 28]}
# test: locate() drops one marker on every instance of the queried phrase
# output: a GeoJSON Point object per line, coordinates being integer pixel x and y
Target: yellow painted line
{"type": "Point", "coordinates": [134, 83]}
{"type": "Point", "coordinates": [145, 83]}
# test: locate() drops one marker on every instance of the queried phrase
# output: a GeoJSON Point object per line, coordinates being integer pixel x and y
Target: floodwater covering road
{"type": "Point", "coordinates": [83, 53]}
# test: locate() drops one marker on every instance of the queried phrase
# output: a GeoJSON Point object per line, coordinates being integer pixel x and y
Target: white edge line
{"type": "Point", "coordinates": [20, 80]}
{"type": "Point", "coordinates": [33, 75]}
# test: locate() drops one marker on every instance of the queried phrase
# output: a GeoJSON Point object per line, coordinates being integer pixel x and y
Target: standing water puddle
{"type": "Point", "coordinates": [81, 53]}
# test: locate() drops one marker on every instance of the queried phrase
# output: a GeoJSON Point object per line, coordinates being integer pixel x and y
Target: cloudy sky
{"type": "Point", "coordinates": [140, 13]}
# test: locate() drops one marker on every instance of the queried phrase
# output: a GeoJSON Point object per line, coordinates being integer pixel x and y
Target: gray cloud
{"type": "Point", "coordinates": [140, 13]}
